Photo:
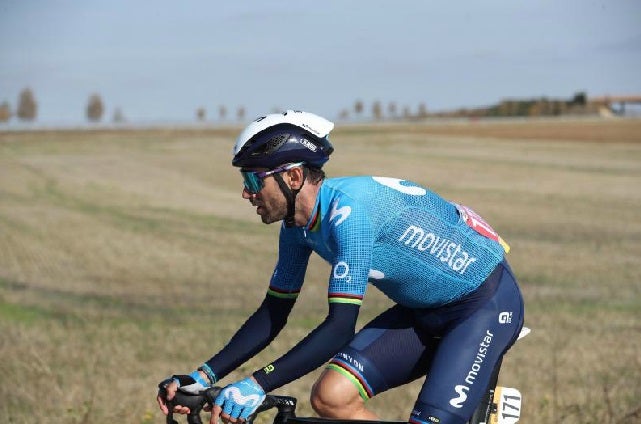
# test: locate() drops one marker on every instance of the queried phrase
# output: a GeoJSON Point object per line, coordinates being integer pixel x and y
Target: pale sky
{"type": "Point", "coordinates": [160, 60]}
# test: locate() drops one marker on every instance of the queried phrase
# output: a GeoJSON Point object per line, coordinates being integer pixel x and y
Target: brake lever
{"type": "Point", "coordinates": [195, 403]}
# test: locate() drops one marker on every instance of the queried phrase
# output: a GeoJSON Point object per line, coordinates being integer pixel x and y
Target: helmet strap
{"type": "Point", "coordinates": [290, 196]}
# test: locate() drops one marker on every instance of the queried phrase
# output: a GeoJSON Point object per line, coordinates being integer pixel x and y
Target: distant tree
{"type": "Point", "coordinates": [377, 110]}
{"type": "Point", "coordinates": [556, 108]}
{"type": "Point", "coordinates": [118, 117]}
{"type": "Point", "coordinates": [509, 107]}
{"type": "Point", "coordinates": [502, 108]}
{"type": "Point", "coordinates": [562, 108]}
{"type": "Point", "coordinates": [545, 105]}
{"type": "Point", "coordinates": [535, 109]}
{"type": "Point", "coordinates": [580, 98]}
{"type": "Point", "coordinates": [422, 110]}
{"type": "Point", "coordinates": [27, 106]}
{"type": "Point", "coordinates": [201, 114]}
{"type": "Point", "coordinates": [222, 112]}
{"type": "Point", "coordinates": [407, 112]}
{"type": "Point", "coordinates": [343, 115]}
{"type": "Point", "coordinates": [391, 109]}
{"type": "Point", "coordinates": [5, 112]}
{"type": "Point", "coordinates": [240, 113]}
{"type": "Point", "coordinates": [358, 107]}
{"type": "Point", "coordinates": [95, 108]}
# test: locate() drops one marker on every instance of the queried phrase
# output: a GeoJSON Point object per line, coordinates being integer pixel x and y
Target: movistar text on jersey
{"type": "Point", "coordinates": [447, 251]}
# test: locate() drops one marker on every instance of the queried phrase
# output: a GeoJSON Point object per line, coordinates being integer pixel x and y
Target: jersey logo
{"type": "Point", "coordinates": [395, 183]}
{"type": "Point", "coordinates": [341, 270]}
{"type": "Point", "coordinates": [447, 251]}
{"type": "Point", "coordinates": [458, 401]}
{"type": "Point", "coordinates": [249, 400]}
{"type": "Point", "coordinates": [341, 213]}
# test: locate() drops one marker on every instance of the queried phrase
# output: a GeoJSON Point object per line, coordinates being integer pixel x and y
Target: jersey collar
{"type": "Point", "coordinates": [314, 221]}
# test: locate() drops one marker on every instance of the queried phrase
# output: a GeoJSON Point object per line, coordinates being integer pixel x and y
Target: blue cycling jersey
{"type": "Point", "coordinates": [418, 248]}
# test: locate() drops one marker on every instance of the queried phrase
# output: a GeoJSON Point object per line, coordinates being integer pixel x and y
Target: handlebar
{"type": "Point", "coordinates": [285, 405]}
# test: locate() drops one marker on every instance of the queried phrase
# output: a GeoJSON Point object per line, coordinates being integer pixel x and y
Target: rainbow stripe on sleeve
{"type": "Point", "coordinates": [354, 299]}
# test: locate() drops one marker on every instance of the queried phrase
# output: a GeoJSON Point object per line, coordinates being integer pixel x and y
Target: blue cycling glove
{"type": "Point", "coordinates": [193, 383]}
{"type": "Point", "coordinates": [241, 399]}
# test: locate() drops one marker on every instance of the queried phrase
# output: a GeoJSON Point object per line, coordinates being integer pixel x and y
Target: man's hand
{"type": "Point", "coordinates": [166, 392]}
{"type": "Point", "coordinates": [237, 401]}
{"type": "Point", "coordinates": [193, 383]}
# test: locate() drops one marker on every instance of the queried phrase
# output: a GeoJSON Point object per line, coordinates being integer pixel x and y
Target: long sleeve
{"type": "Point", "coordinates": [253, 336]}
{"type": "Point", "coordinates": [317, 348]}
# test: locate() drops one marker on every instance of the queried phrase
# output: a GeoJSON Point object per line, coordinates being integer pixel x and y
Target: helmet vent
{"type": "Point", "coordinates": [272, 144]}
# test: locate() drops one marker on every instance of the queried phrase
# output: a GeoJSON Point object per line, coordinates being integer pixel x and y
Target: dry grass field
{"type": "Point", "coordinates": [126, 256]}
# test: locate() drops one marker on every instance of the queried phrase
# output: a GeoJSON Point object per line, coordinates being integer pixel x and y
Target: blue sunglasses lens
{"type": "Point", "coordinates": [253, 183]}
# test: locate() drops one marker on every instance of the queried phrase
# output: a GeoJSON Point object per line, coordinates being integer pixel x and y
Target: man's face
{"type": "Point", "coordinates": [270, 202]}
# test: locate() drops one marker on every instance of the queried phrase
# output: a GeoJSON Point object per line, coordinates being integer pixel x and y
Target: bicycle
{"type": "Point", "coordinates": [499, 405]}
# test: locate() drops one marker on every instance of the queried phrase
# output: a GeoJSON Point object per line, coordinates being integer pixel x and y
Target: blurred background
{"type": "Point", "coordinates": [127, 253]}
{"type": "Point", "coordinates": [148, 62]}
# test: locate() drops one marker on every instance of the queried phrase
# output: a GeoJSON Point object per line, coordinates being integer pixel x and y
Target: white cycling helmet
{"type": "Point", "coordinates": [287, 137]}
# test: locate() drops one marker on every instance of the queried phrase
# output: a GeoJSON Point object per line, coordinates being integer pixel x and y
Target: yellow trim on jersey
{"type": "Point", "coordinates": [505, 246]}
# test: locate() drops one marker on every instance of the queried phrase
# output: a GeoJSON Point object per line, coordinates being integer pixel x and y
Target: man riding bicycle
{"type": "Point", "coordinates": [457, 304]}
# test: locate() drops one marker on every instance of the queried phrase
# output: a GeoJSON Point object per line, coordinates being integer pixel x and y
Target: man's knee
{"type": "Point", "coordinates": [335, 396]}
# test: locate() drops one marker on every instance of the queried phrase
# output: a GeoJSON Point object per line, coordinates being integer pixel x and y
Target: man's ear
{"type": "Point", "coordinates": [296, 177]}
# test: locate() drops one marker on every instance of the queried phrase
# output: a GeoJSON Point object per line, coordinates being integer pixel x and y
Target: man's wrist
{"type": "Point", "coordinates": [209, 373]}
{"type": "Point", "coordinates": [200, 378]}
{"type": "Point", "coordinates": [261, 379]}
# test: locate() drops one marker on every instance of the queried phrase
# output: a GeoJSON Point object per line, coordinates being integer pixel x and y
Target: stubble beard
{"type": "Point", "coordinates": [275, 212]}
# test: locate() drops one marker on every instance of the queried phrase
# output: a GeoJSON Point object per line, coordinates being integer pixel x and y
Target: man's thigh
{"type": "Point", "coordinates": [468, 354]}
{"type": "Point", "coordinates": [386, 353]}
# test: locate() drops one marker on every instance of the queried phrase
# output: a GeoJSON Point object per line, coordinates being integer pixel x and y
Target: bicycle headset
{"type": "Point", "coordinates": [278, 142]}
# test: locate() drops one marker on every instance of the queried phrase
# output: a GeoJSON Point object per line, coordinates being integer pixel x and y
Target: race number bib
{"type": "Point", "coordinates": [478, 224]}
{"type": "Point", "coordinates": [508, 406]}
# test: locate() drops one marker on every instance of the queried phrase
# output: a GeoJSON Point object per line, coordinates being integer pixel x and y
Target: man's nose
{"type": "Point", "coordinates": [247, 195]}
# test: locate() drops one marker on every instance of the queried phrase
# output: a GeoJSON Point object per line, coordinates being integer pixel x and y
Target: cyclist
{"type": "Point", "coordinates": [457, 305]}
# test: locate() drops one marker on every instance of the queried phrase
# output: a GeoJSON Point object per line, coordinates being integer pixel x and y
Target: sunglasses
{"type": "Point", "coordinates": [253, 180]}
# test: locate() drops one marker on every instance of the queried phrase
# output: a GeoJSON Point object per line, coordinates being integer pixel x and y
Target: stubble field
{"type": "Point", "coordinates": [127, 256]}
